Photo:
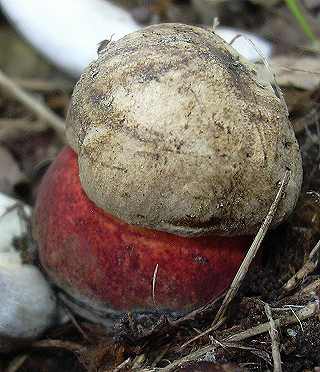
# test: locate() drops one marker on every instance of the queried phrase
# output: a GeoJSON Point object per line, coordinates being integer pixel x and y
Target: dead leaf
{"type": "Point", "coordinates": [298, 72]}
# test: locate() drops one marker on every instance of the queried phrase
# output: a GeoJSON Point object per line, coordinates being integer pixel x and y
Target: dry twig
{"type": "Point", "coordinates": [206, 332]}
{"type": "Point", "coordinates": [45, 86]}
{"type": "Point", "coordinates": [273, 81]}
{"type": "Point", "coordinates": [162, 353]}
{"type": "Point", "coordinates": [309, 266]}
{"type": "Point", "coordinates": [138, 361]}
{"type": "Point", "coordinates": [307, 312]}
{"type": "Point", "coordinates": [154, 280]}
{"type": "Point", "coordinates": [275, 343]}
{"type": "Point", "coordinates": [17, 363]}
{"type": "Point", "coordinates": [74, 321]}
{"type": "Point", "coordinates": [39, 109]}
{"type": "Point", "coordinates": [167, 326]}
{"type": "Point", "coordinates": [253, 250]}
{"type": "Point", "coordinates": [58, 344]}
{"type": "Point", "coordinates": [122, 365]}
{"type": "Point", "coordinates": [310, 290]}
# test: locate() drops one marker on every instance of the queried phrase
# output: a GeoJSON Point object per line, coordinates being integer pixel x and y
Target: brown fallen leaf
{"type": "Point", "coordinates": [298, 72]}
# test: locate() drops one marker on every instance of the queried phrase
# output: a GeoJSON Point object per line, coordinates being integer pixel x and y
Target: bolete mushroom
{"type": "Point", "coordinates": [177, 149]}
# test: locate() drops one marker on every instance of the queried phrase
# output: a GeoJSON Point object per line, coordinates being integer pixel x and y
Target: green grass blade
{"type": "Point", "coordinates": [295, 9]}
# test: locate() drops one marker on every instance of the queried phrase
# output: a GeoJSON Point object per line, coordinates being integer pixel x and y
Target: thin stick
{"type": "Point", "coordinates": [168, 325]}
{"type": "Point", "coordinates": [311, 289]}
{"type": "Point", "coordinates": [162, 353]}
{"type": "Point", "coordinates": [32, 104]}
{"type": "Point", "coordinates": [17, 363]}
{"type": "Point", "coordinates": [286, 68]}
{"type": "Point", "coordinates": [74, 322]}
{"type": "Point", "coordinates": [309, 266]}
{"type": "Point", "coordinates": [195, 313]}
{"type": "Point", "coordinates": [209, 330]}
{"type": "Point", "coordinates": [275, 343]}
{"type": "Point", "coordinates": [235, 285]}
{"type": "Point", "coordinates": [58, 344]}
{"type": "Point", "coordinates": [44, 85]}
{"type": "Point", "coordinates": [307, 293]}
{"type": "Point", "coordinates": [188, 358]}
{"type": "Point", "coordinates": [122, 365]}
{"type": "Point", "coordinates": [266, 64]}
{"type": "Point", "coordinates": [154, 280]}
{"type": "Point", "coordinates": [294, 314]}
{"type": "Point", "coordinates": [198, 354]}
{"type": "Point", "coordinates": [305, 313]}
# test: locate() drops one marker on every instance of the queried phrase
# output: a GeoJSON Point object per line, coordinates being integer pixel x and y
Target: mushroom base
{"type": "Point", "coordinates": [103, 263]}
{"type": "Point", "coordinates": [100, 313]}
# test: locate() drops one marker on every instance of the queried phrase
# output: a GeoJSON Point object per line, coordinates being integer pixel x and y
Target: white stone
{"type": "Point", "coordinates": [28, 305]}
{"type": "Point", "coordinates": [68, 31]}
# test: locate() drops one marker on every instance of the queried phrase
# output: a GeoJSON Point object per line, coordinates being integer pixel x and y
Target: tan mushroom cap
{"type": "Point", "coordinates": [175, 131]}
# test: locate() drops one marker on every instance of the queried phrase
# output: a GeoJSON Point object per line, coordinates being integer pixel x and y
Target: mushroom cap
{"type": "Point", "coordinates": [175, 131]}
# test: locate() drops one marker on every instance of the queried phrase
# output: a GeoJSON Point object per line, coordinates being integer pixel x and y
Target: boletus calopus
{"type": "Point", "coordinates": [177, 147]}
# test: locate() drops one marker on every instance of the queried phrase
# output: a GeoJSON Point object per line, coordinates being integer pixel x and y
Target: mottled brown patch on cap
{"type": "Point", "coordinates": [177, 132]}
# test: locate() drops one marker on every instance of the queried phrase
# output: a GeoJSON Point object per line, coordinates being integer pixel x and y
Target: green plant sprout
{"type": "Point", "coordinates": [296, 10]}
